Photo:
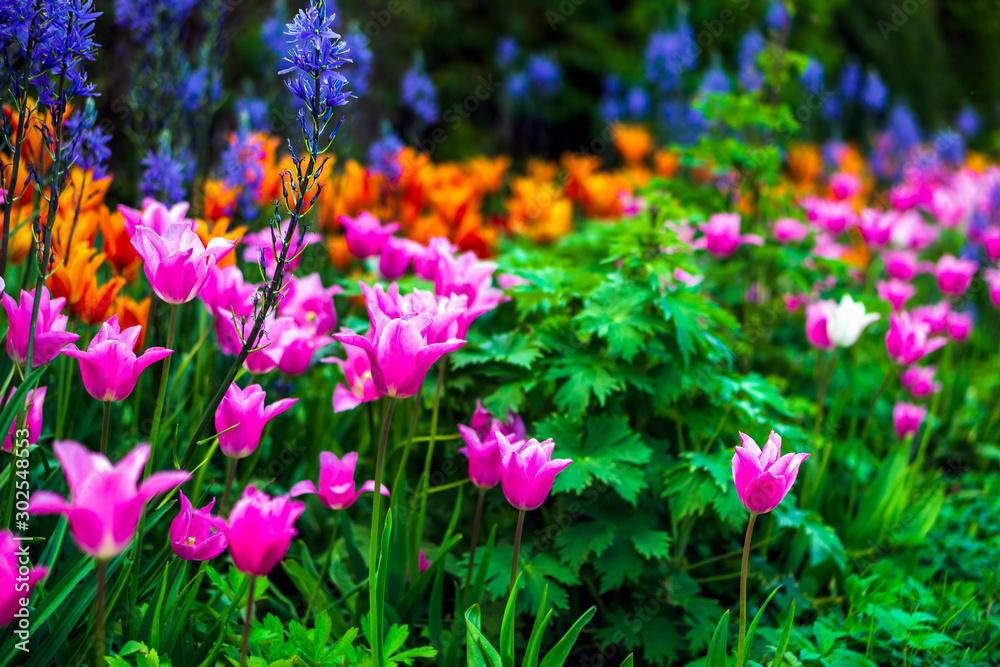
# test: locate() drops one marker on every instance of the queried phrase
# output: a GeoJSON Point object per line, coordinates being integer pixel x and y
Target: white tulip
{"type": "Point", "coordinates": [846, 322]}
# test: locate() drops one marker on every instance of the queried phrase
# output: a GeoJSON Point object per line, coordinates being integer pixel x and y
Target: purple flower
{"type": "Point", "coordinates": [166, 176]}
{"type": "Point", "coordinates": [850, 81]}
{"type": "Point", "coordinates": [315, 55]}
{"type": "Point", "coordinates": [361, 54]}
{"type": "Point", "coordinates": [750, 76]}
{"type": "Point", "coordinates": [776, 17]}
{"type": "Point", "coordinates": [967, 121]}
{"type": "Point", "coordinates": [812, 76]}
{"type": "Point", "coordinates": [874, 94]}
{"type": "Point", "coordinates": [88, 144]}
{"type": "Point", "coordinates": [507, 51]}
{"type": "Point", "coordinates": [544, 75]}
{"type": "Point", "coordinates": [418, 93]}
{"type": "Point", "coordinates": [668, 55]}
{"type": "Point", "coordinates": [383, 157]}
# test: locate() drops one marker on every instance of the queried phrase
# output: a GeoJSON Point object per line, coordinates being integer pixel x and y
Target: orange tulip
{"type": "Point", "coordinates": [220, 200]}
{"type": "Point", "coordinates": [75, 279]}
{"type": "Point", "coordinates": [131, 313]}
{"type": "Point", "coordinates": [19, 244]}
{"type": "Point", "coordinates": [488, 173]}
{"type": "Point", "coordinates": [340, 254]}
{"type": "Point", "coordinates": [666, 163]}
{"type": "Point", "coordinates": [220, 229]}
{"type": "Point", "coordinates": [633, 142]}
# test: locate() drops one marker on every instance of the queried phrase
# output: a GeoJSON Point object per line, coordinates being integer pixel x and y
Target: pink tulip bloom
{"type": "Point", "coordinates": [908, 195]}
{"type": "Point", "coordinates": [992, 277]}
{"type": "Point", "coordinates": [826, 247]}
{"type": "Point", "coordinates": [900, 264]}
{"type": "Point", "coordinates": [398, 351]}
{"type": "Point", "coordinates": [896, 292]}
{"type": "Point", "coordinates": [959, 326]}
{"type": "Point", "coordinates": [484, 423]}
{"type": "Point", "coordinates": [310, 304]}
{"type": "Point", "coordinates": [832, 216]}
{"type": "Point", "coordinates": [876, 226]}
{"type": "Point", "coordinates": [818, 316]}
{"type": "Point", "coordinates": [196, 534]}
{"type": "Point", "coordinates": [425, 263]}
{"type": "Point", "coordinates": [991, 242]}
{"type": "Point", "coordinates": [919, 380]}
{"type": "Point", "coordinates": [907, 418]}
{"type": "Point", "coordinates": [907, 340]}
{"type": "Point", "coordinates": [241, 417]}
{"type": "Point", "coordinates": [156, 216]}
{"type": "Point", "coordinates": [763, 478]}
{"type": "Point", "coordinates": [954, 274]}
{"type": "Point", "coordinates": [357, 371]}
{"type": "Point", "coordinates": [528, 471]}
{"type": "Point", "coordinates": [110, 367]}
{"type": "Point", "coordinates": [687, 279]}
{"type": "Point", "coordinates": [466, 275]}
{"type": "Point", "coordinates": [365, 234]}
{"type": "Point", "coordinates": [16, 577]}
{"type": "Point", "coordinates": [845, 185]}
{"type": "Point", "coordinates": [225, 293]}
{"type": "Point", "coordinates": [484, 456]}
{"type": "Point", "coordinates": [508, 281]}
{"type": "Point", "coordinates": [50, 328]}
{"type": "Point", "coordinates": [946, 208]}
{"type": "Point", "coordinates": [261, 248]}
{"type": "Point", "coordinates": [336, 482]}
{"type": "Point", "coordinates": [260, 529]}
{"type": "Point", "coordinates": [794, 301]}
{"type": "Point", "coordinates": [789, 230]}
{"type": "Point", "coordinates": [105, 503]}
{"type": "Point", "coordinates": [267, 353]}
{"type": "Point", "coordinates": [33, 403]}
{"type": "Point", "coordinates": [722, 235]}
{"type": "Point", "coordinates": [176, 261]}
{"type": "Point", "coordinates": [296, 348]}
{"type": "Point", "coordinates": [422, 562]}
{"type": "Point", "coordinates": [910, 231]}
{"type": "Point", "coordinates": [934, 316]}
{"type": "Point", "coordinates": [397, 254]}
{"type": "Point", "coordinates": [444, 311]}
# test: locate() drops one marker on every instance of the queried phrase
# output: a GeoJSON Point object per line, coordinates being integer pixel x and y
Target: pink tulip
{"type": "Point", "coordinates": [900, 264]}
{"type": "Point", "coordinates": [336, 482]}
{"type": "Point", "coordinates": [365, 234]}
{"type": "Point", "coordinates": [422, 562]}
{"type": "Point", "coordinates": [528, 471]}
{"type": "Point", "coordinates": [789, 230]}
{"type": "Point", "coordinates": [875, 226]}
{"type": "Point", "coordinates": [296, 348]}
{"type": "Point", "coordinates": [909, 230]}
{"type": "Point", "coordinates": [817, 324]}
{"type": "Point", "coordinates": [398, 351]}
{"type": "Point", "coordinates": [959, 326]}
{"type": "Point", "coordinates": [156, 216]}
{"type": "Point", "coordinates": [934, 316]}
{"type": "Point", "coordinates": [50, 328]}
{"type": "Point", "coordinates": [241, 417]}
{"type": "Point", "coordinates": [919, 380]}
{"type": "Point", "coordinates": [33, 403]}
{"type": "Point", "coordinates": [687, 279]}
{"type": "Point", "coordinates": [310, 304]}
{"type": "Point", "coordinates": [794, 301]}
{"type": "Point", "coordinates": [508, 281]}
{"type": "Point", "coordinates": [397, 254]}
{"type": "Point", "coordinates": [907, 418]}
{"type": "Point", "coordinates": [110, 367]}
{"type": "Point", "coordinates": [991, 242]}
{"type": "Point", "coordinates": [992, 277]}
{"type": "Point", "coordinates": [16, 578]}
{"type": "Point", "coordinates": [845, 185]}
{"type": "Point", "coordinates": [907, 340]}
{"type": "Point", "coordinates": [722, 235]}
{"type": "Point", "coordinates": [483, 423]}
{"type": "Point", "coordinates": [425, 263]}
{"type": "Point", "coordinates": [896, 292]}
{"type": "Point", "coordinates": [105, 503]}
{"type": "Point", "coordinates": [466, 275]}
{"type": "Point", "coordinates": [225, 293]}
{"type": "Point", "coordinates": [763, 478]}
{"type": "Point", "coordinates": [444, 311]}
{"type": "Point", "coordinates": [357, 371]}
{"type": "Point", "coordinates": [827, 247]}
{"type": "Point", "coordinates": [176, 261]}
{"type": "Point", "coordinates": [954, 274]}
{"type": "Point", "coordinates": [196, 534]}
{"type": "Point", "coordinates": [260, 247]}
{"type": "Point", "coordinates": [946, 208]}
{"type": "Point", "coordinates": [260, 529]}
{"type": "Point", "coordinates": [484, 457]}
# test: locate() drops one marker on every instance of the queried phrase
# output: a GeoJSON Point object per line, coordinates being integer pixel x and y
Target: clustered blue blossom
{"type": "Point", "coordinates": [254, 110]}
{"type": "Point", "coordinates": [950, 146]}
{"type": "Point", "coordinates": [751, 78]}
{"type": "Point", "coordinates": [967, 121]}
{"type": "Point", "coordinates": [419, 94]}
{"type": "Point", "coordinates": [812, 76]}
{"type": "Point", "coordinates": [507, 52]}
{"type": "Point", "coordinates": [166, 174]}
{"type": "Point", "coordinates": [87, 147]}
{"type": "Point", "coordinates": [315, 55]}
{"type": "Point", "coordinates": [65, 39]}
{"type": "Point", "coordinates": [544, 75]}
{"type": "Point", "coordinates": [142, 16]}
{"type": "Point", "coordinates": [242, 167]}
{"type": "Point", "coordinates": [776, 16]}
{"type": "Point", "coordinates": [383, 156]}
{"type": "Point", "coordinates": [874, 93]}
{"type": "Point", "coordinates": [361, 54]}
{"type": "Point", "coordinates": [850, 81]}
{"type": "Point", "coordinates": [669, 54]}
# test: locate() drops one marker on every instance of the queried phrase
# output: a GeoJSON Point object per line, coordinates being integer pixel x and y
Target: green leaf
{"type": "Point", "coordinates": [717, 647]}
{"type": "Point", "coordinates": [514, 348]}
{"type": "Point", "coordinates": [557, 656]}
{"type": "Point", "coordinates": [748, 644]}
{"type": "Point", "coordinates": [507, 627]}
{"type": "Point", "coordinates": [779, 653]}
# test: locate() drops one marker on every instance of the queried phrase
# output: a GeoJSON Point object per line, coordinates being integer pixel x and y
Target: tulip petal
{"type": "Point", "coordinates": [302, 488]}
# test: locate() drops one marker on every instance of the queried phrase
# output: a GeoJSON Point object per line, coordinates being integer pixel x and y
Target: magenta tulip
{"type": "Point", "coordinates": [959, 326]}
{"type": "Point", "coordinates": [50, 328]}
{"type": "Point", "coordinates": [896, 292]}
{"type": "Point", "coordinates": [176, 261]}
{"type": "Point", "coordinates": [900, 264]}
{"type": "Point", "coordinates": [907, 418]}
{"type": "Point", "coordinates": [296, 348]}
{"type": "Point", "coordinates": [425, 263]}
{"type": "Point", "coordinates": [992, 277]}
{"type": "Point", "coordinates": [484, 456]}
{"type": "Point", "coordinates": [358, 372]}
{"type": "Point", "coordinates": [528, 471]}
{"type": "Point", "coordinates": [156, 216]}
{"type": "Point", "coordinates": [397, 254]}
{"type": "Point", "coordinates": [105, 501]}
{"type": "Point", "coordinates": [875, 226]}
{"type": "Point", "coordinates": [934, 316]}
{"type": "Point", "coordinates": [260, 529]}
{"type": "Point", "coordinates": [845, 185]}
{"type": "Point", "coordinates": [467, 275]}
{"type": "Point", "coordinates": [336, 482]}
{"type": "Point", "coordinates": [763, 478]}
{"type": "Point", "coordinates": [444, 311]}
{"type": "Point", "coordinates": [241, 416]}
{"type": "Point", "coordinates": [722, 235]}
{"type": "Point", "coordinates": [310, 304]}
{"type": "Point", "coordinates": [261, 247]}
{"type": "Point", "coordinates": [789, 230]}
{"type": "Point", "coordinates": [954, 274]}
{"type": "Point", "coordinates": [920, 381]}
{"type": "Point", "coordinates": [398, 351]}
{"type": "Point", "coordinates": [226, 294]}
{"type": "Point", "coordinates": [17, 578]}
{"type": "Point", "coordinates": [110, 367]}
{"type": "Point", "coordinates": [196, 534]}
{"type": "Point", "coordinates": [33, 403]}
{"type": "Point", "coordinates": [818, 316]}
{"type": "Point", "coordinates": [907, 340]}
{"type": "Point", "coordinates": [365, 234]}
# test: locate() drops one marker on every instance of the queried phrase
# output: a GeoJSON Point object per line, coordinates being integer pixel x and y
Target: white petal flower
{"type": "Point", "coordinates": [847, 321]}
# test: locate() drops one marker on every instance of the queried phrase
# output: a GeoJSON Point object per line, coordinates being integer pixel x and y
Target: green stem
{"type": "Point", "coordinates": [428, 459]}
{"type": "Point", "coordinates": [161, 395]}
{"type": "Point", "coordinates": [102, 575]}
{"type": "Point", "coordinates": [517, 549]}
{"type": "Point", "coordinates": [376, 534]}
{"type": "Point", "coordinates": [230, 476]}
{"type": "Point", "coordinates": [105, 423]}
{"type": "Point", "coordinates": [475, 539]}
{"type": "Point", "coordinates": [246, 623]}
{"type": "Point", "coordinates": [409, 441]}
{"type": "Point", "coordinates": [324, 566]}
{"type": "Point", "coordinates": [741, 638]}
